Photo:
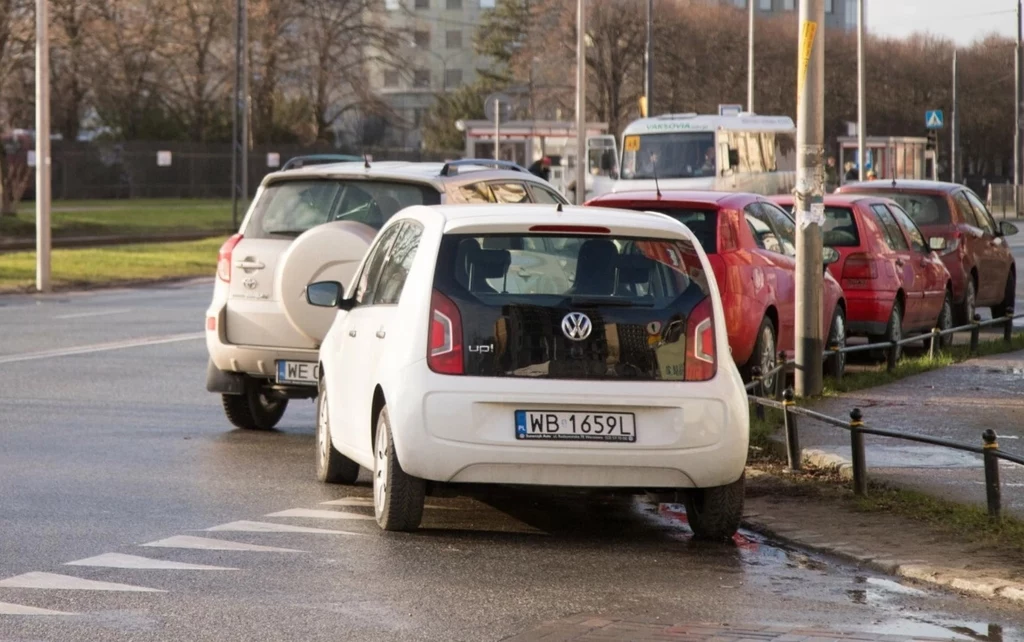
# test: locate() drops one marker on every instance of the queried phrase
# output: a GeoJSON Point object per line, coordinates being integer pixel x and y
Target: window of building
{"type": "Point", "coordinates": [851, 13]}
{"type": "Point", "coordinates": [828, 6]}
{"type": "Point", "coordinates": [454, 5]}
{"type": "Point", "coordinates": [421, 78]}
{"type": "Point", "coordinates": [486, 4]}
{"type": "Point", "coordinates": [453, 40]}
{"type": "Point", "coordinates": [788, 5]}
{"type": "Point", "coordinates": [422, 4]}
{"type": "Point", "coordinates": [392, 5]}
{"type": "Point", "coordinates": [452, 78]}
{"type": "Point", "coordinates": [421, 39]}
{"type": "Point", "coordinates": [391, 78]}
{"type": "Point", "coordinates": [764, 5]}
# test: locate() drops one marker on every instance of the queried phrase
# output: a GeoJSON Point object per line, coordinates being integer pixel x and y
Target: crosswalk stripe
{"type": "Point", "coordinates": [120, 560]}
{"type": "Point", "coordinates": [6, 608]}
{"type": "Point", "coordinates": [38, 580]}
{"type": "Point", "coordinates": [210, 544]}
{"type": "Point", "coordinates": [365, 501]}
{"type": "Point", "coordinates": [319, 514]}
{"type": "Point", "coordinates": [268, 527]}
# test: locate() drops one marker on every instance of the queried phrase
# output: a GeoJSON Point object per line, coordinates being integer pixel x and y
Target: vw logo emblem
{"type": "Point", "coordinates": [250, 284]}
{"type": "Point", "coordinates": [576, 326]}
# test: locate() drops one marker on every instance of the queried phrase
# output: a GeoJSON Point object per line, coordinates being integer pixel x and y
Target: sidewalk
{"type": "Point", "coordinates": [958, 403]}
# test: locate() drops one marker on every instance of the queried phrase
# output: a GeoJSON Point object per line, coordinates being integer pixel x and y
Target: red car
{"type": "Point", "coordinates": [977, 256]}
{"type": "Point", "coordinates": [750, 243]}
{"type": "Point", "coordinates": [894, 282]}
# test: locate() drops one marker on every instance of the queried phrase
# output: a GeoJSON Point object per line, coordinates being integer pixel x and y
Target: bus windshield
{"type": "Point", "coordinates": [674, 155]}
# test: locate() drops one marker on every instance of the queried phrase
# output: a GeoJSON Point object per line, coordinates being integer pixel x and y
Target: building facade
{"type": "Point", "coordinates": [439, 47]}
{"type": "Point", "coordinates": [840, 14]}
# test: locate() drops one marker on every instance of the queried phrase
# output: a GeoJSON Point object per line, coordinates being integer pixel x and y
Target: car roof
{"type": "Point", "coordinates": [901, 185]}
{"type": "Point", "coordinates": [670, 196]}
{"type": "Point", "coordinates": [832, 200]}
{"type": "Point", "coordinates": [406, 171]}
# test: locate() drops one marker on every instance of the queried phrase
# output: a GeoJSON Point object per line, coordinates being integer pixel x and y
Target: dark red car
{"type": "Point", "coordinates": [894, 282]}
{"type": "Point", "coordinates": [976, 254]}
{"type": "Point", "coordinates": [750, 243]}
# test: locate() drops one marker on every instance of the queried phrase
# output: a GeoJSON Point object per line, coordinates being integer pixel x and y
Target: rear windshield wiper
{"type": "Point", "coordinates": [610, 302]}
{"type": "Point", "coordinates": [292, 233]}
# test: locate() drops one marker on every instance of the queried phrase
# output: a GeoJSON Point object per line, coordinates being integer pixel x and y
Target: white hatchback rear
{"type": "Point", "coordinates": [529, 345]}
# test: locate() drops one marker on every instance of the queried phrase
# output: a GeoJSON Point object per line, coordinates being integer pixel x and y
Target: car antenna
{"type": "Point", "coordinates": [654, 170]}
{"type": "Point", "coordinates": [559, 208]}
{"type": "Point", "coordinates": [894, 182]}
{"type": "Point", "coordinates": [366, 161]}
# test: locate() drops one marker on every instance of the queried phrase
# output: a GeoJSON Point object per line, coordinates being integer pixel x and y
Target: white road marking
{"type": "Point", "coordinates": [86, 315]}
{"type": "Point", "coordinates": [103, 347]}
{"type": "Point", "coordinates": [267, 527]}
{"type": "Point", "coordinates": [209, 544]}
{"type": "Point", "coordinates": [7, 608]}
{"type": "Point", "coordinates": [365, 501]}
{"type": "Point", "coordinates": [119, 560]}
{"type": "Point", "coordinates": [37, 580]}
{"type": "Point", "coordinates": [318, 514]}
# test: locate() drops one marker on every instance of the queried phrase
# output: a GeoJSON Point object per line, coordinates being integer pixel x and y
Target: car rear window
{"type": "Point", "coordinates": [840, 228]}
{"type": "Point", "coordinates": [925, 209]}
{"type": "Point", "coordinates": [702, 222]}
{"type": "Point", "coordinates": [289, 208]}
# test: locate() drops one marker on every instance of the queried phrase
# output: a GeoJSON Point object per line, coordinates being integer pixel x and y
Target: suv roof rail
{"type": "Point", "coordinates": [319, 159]}
{"type": "Point", "coordinates": [481, 162]}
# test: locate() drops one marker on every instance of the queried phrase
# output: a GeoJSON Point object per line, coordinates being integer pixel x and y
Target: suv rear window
{"type": "Point", "coordinates": [702, 222]}
{"type": "Point", "coordinates": [289, 208]}
{"type": "Point", "coordinates": [513, 293]}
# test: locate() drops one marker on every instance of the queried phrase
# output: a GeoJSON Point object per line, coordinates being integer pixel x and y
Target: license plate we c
{"type": "Point", "coordinates": [305, 372]}
{"type": "Point", "coordinates": [575, 426]}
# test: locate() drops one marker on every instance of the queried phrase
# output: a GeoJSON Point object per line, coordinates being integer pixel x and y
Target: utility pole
{"type": "Point", "coordinates": [750, 58]}
{"type": "Point", "coordinates": [1016, 116]}
{"type": "Point", "coordinates": [810, 189]}
{"type": "Point", "coordinates": [497, 130]}
{"type": "Point", "coordinates": [581, 102]}
{"type": "Point", "coordinates": [954, 137]}
{"type": "Point", "coordinates": [42, 146]}
{"type": "Point", "coordinates": [649, 59]}
{"type": "Point", "coordinates": [240, 128]}
{"type": "Point", "coordinates": [861, 108]}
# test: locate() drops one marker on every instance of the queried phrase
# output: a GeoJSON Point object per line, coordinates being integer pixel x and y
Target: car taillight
{"type": "Point", "coordinates": [860, 267]}
{"type": "Point", "coordinates": [224, 258]}
{"type": "Point", "coordinates": [444, 351]}
{"type": "Point", "coordinates": [701, 363]}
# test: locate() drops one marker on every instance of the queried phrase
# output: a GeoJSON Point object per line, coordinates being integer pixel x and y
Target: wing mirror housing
{"type": "Point", "coordinates": [829, 255]}
{"type": "Point", "coordinates": [325, 294]}
{"type": "Point", "coordinates": [937, 244]}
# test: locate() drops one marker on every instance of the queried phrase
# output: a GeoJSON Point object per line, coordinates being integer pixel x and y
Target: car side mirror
{"type": "Point", "coordinates": [324, 294]}
{"type": "Point", "coordinates": [936, 244]}
{"type": "Point", "coordinates": [829, 255]}
{"type": "Point", "coordinates": [1007, 229]}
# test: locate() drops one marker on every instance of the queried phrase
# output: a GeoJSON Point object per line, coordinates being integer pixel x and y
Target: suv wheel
{"type": "Point", "coordinates": [715, 513]}
{"type": "Point", "coordinates": [397, 496]}
{"type": "Point", "coordinates": [254, 409]}
{"type": "Point", "coordinates": [331, 466]}
{"type": "Point", "coordinates": [1008, 297]}
{"type": "Point", "coordinates": [965, 311]}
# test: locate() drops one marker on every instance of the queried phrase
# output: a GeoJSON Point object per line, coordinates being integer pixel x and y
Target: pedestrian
{"type": "Point", "coordinates": [851, 172]}
{"type": "Point", "coordinates": [541, 168]}
{"type": "Point", "coordinates": [831, 175]}
{"type": "Point", "coordinates": [871, 175]}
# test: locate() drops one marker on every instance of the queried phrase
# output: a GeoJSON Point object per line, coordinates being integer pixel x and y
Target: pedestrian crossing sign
{"type": "Point", "coordinates": [933, 119]}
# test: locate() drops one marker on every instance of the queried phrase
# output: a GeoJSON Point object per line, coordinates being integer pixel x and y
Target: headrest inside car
{"type": "Point", "coordinates": [634, 269]}
{"type": "Point", "coordinates": [489, 264]}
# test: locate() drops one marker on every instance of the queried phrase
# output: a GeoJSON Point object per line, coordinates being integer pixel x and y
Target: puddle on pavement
{"type": "Point", "coordinates": [783, 569]}
{"type": "Point", "coordinates": [880, 456]}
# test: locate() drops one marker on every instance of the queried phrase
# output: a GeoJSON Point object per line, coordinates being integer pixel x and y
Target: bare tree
{"type": "Point", "coordinates": [71, 54]}
{"type": "Point", "coordinates": [15, 43]}
{"type": "Point", "coordinates": [198, 76]}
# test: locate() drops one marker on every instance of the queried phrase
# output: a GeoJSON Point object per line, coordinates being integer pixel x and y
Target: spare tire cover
{"type": "Point", "coordinates": [328, 252]}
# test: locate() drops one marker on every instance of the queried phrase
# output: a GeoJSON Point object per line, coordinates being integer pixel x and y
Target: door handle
{"type": "Point", "coordinates": [351, 333]}
{"type": "Point", "coordinates": [380, 333]}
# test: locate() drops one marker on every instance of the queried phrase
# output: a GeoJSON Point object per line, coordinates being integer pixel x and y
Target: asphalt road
{"type": "Point", "coordinates": [109, 442]}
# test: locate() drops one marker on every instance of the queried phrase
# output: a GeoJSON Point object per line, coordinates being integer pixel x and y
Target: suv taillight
{"type": "Point", "coordinates": [701, 363]}
{"type": "Point", "coordinates": [859, 267]}
{"type": "Point", "coordinates": [444, 349]}
{"type": "Point", "coordinates": [224, 258]}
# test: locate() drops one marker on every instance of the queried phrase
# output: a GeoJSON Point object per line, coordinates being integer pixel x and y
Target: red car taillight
{"type": "Point", "coordinates": [701, 363]}
{"type": "Point", "coordinates": [444, 351]}
{"type": "Point", "coordinates": [860, 267]}
{"type": "Point", "coordinates": [224, 258]}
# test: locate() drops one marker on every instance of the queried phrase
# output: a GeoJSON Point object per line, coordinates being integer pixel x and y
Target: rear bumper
{"type": "Point", "coordinates": [868, 313]}
{"type": "Point", "coordinates": [957, 275]}
{"type": "Point", "coordinates": [462, 429]}
{"type": "Point", "coordinates": [255, 361]}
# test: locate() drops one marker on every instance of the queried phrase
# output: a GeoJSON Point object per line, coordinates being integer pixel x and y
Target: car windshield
{"type": "Point", "coordinates": [925, 209]}
{"type": "Point", "coordinates": [702, 222]}
{"type": "Point", "coordinates": [289, 208]}
{"type": "Point", "coordinates": [675, 155]}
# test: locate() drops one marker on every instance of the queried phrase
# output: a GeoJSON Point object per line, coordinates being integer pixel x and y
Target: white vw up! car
{"type": "Point", "coordinates": [310, 224]}
{"type": "Point", "coordinates": [532, 345]}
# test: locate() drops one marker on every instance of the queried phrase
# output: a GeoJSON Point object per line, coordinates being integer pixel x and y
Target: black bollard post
{"type": "Point", "coordinates": [758, 390]}
{"type": "Point", "coordinates": [993, 493]}
{"type": "Point", "coordinates": [792, 431]}
{"type": "Point", "coordinates": [975, 333]}
{"type": "Point", "coordinates": [860, 468]}
{"type": "Point", "coordinates": [1008, 328]}
{"type": "Point", "coordinates": [780, 378]}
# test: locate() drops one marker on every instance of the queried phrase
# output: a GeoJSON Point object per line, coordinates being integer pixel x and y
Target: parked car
{"type": "Point", "coordinates": [976, 254]}
{"type": "Point", "coordinates": [316, 223]}
{"type": "Point", "coordinates": [447, 364]}
{"type": "Point", "coordinates": [894, 281]}
{"type": "Point", "coordinates": [751, 245]}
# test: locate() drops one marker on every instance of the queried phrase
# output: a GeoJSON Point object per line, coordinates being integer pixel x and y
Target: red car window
{"type": "Point", "coordinates": [893, 236]}
{"type": "Point", "coordinates": [910, 229]}
{"type": "Point", "coordinates": [840, 228]}
{"type": "Point", "coordinates": [984, 218]}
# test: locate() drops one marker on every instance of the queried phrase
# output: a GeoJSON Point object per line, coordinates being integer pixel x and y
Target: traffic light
{"type": "Point", "coordinates": [933, 140]}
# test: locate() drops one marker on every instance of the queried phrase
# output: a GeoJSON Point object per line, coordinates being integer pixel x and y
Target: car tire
{"type": "Point", "coordinates": [1009, 297]}
{"type": "Point", "coordinates": [715, 513]}
{"type": "Point", "coordinates": [398, 497]}
{"type": "Point", "coordinates": [965, 311]}
{"type": "Point", "coordinates": [331, 466]}
{"type": "Point", "coordinates": [944, 322]}
{"type": "Point", "coordinates": [765, 354]}
{"type": "Point", "coordinates": [837, 337]}
{"type": "Point", "coordinates": [254, 409]}
{"type": "Point", "coordinates": [893, 332]}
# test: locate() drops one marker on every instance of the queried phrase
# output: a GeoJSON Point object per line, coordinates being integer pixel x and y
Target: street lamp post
{"type": "Point", "coordinates": [581, 102]}
{"type": "Point", "coordinates": [750, 58]}
{"type": "Point", "coordinates": [42, 147]}
{"type": "Point", "coordinates": [861, 108]}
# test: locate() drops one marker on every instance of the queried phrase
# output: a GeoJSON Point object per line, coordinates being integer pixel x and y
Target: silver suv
{"type": "Point", "coordinates": [315, 224]}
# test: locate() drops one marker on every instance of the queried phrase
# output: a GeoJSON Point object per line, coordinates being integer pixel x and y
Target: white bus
{"type": "Point", "coordinates": [745, 152]}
